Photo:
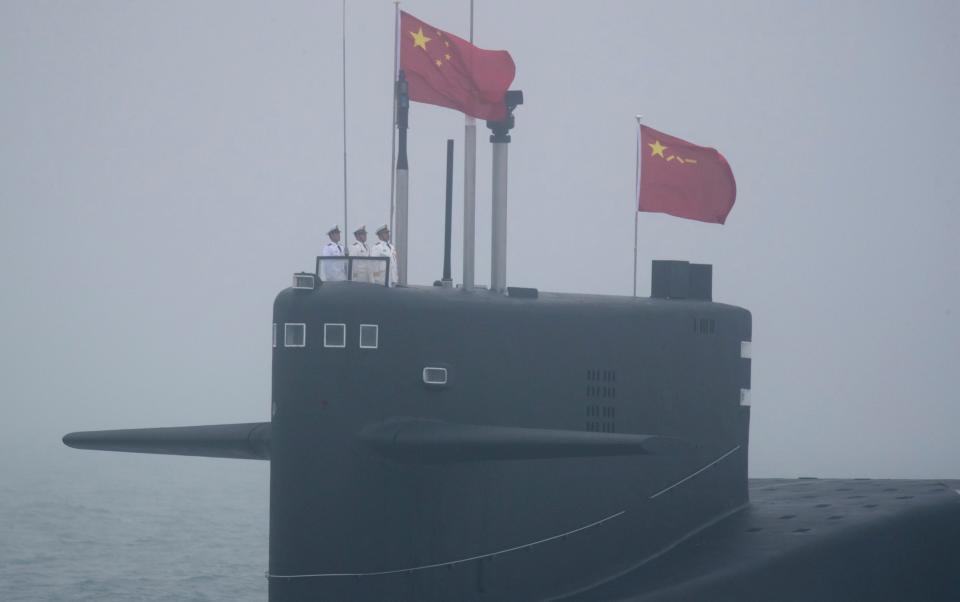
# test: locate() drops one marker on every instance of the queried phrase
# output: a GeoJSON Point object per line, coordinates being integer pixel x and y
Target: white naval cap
{"type": "Point", "coordinates": [383, 228]}
{"type": "Point", "coordinates": [362, 228]}
{"type": "Point", "coordinates": [334, 228]}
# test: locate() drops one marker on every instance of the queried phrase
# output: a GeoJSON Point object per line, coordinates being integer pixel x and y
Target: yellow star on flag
{"type": "Point", "coordinates": [420, 40]}
{"type": "Point", "coordinates": [438, 62]}
{"type": "Point", "coordinates": [446, 56]}
{"type": "Point", "coordinates": [657, 149]}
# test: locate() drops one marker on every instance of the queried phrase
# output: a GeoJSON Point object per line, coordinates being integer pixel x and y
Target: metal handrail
{"type": "Point", "coordinates": [350, 259]}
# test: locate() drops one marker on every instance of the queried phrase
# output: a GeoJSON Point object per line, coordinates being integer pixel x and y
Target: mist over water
{"type": "Point", "coordinates": [134, 528]}
{"type": "Point", "coordinates": [166, 167]}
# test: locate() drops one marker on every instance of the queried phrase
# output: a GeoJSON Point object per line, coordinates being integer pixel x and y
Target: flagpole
{"type": "Point", "coordinates": [469, 189]}
{"type": "Point", "coordinates": [393, 124]}
{"type": "Point", "coordinates": [636, 211]}
{"type": "Point", "coordinates": [343, 31]}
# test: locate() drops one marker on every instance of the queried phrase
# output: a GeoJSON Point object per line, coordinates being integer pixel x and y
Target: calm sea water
{"type": "Point", "coordinates": [99, 526]}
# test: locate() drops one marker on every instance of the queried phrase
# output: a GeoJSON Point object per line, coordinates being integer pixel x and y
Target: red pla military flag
{"type": "Point", "coordinates": [684, 179]}
{"type": "Point", "coordinates": [445, 70]}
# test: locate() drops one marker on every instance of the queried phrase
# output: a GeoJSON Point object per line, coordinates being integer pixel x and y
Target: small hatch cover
{"type": "Point", "coordinates": [522, 292]}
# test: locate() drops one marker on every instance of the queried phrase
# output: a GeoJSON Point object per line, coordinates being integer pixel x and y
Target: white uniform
{"type": "Point", "coordinates": [361, 269]}
{"type": "Point", "coordinates": [384, 249]}
{"type": "Point", "coordinates": [334, 270]}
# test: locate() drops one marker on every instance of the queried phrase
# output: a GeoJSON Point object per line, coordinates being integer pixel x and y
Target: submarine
{"type": "Point", "coordinates": [433, 443]}
{"type": "Point", "coordinates": [428, 443]}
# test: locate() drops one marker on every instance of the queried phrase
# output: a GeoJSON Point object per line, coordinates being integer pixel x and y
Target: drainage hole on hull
{"type": "Point", "coordinates": [835, 517]}
{"type": "Point", "coordinates": [787, 516]}
{"type": "Point", "coordinates": [869, 505]}
{"type": "Point", "coordinates": [822, 505]}
{"type": "Point", "coordinates": [801, 530]}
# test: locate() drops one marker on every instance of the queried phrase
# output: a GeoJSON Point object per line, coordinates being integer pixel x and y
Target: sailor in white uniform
{"type": "Point", "coordinates": [358, 248]}
{"type": "Point", "coordinates": [334, 270]}
{"type": "Point", "coordinates": [384, 248]}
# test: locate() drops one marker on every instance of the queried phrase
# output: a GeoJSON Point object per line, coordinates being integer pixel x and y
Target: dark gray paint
{"type": "Point", "coordinates": [812, 539]}
{"type": "Point", "coordinates": [520, 369]}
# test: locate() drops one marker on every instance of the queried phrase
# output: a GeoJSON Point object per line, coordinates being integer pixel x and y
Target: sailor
{"type": "Point", "coordinates": [384, 248]}
{"type": "Point", "coordinates": [334, 270]}
{"type": "Point", "coordinates": [358, 248]}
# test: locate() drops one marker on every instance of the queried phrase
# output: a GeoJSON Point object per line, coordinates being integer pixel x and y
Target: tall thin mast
{"type": "Point", "coordinates": [469, 190]}
{"type": "Point", "coordinates": [403, 181]}
{"type": "Point", "coordinates": [343, 31]}
{"type": "Point", "coordinates": [393, 124]}
{"type": "Point", "coordinates": [636, 205]}
{"type": "Point", "coordinates": [447, 279]}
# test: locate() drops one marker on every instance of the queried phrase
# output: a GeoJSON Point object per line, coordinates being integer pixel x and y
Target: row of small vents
{"type": "Point", "coordinates": [704, 325]}
{"type": "Point", "coordinates": [600, 417]}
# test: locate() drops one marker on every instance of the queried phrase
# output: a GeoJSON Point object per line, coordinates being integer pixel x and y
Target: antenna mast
{"type": "Point", "coordinates": [403, 179]}
{"type": "Point", "coordinates": [636, 212]}
{"type": "Point", "coordinates": [447, 217]}
{"type": "Point", "coordinates": [343, 36]}
{"type": "Point", "coordinates": [393, 123]}
{"type": "Point", "coordinates": [469, 189]}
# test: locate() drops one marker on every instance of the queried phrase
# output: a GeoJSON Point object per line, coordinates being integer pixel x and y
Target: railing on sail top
{"type": "Point", "coordinates": [349, 261]}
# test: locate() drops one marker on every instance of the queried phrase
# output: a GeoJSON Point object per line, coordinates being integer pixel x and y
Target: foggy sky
{"type": "Point", "coordinates": [166, 166]}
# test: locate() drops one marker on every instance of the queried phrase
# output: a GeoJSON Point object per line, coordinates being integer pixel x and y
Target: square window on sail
{"type": "Point", "coordinates": [369, 336]}
{"type": "Point", "coordinates": [294, 335]}
{"type": "Point", "coordinates": [335, 335]}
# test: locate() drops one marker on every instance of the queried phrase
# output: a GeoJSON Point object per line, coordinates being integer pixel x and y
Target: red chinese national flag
{"type": "Point", "coordinates": [445, 70]}
{"type": "Point", "coordinates": [684, 179]}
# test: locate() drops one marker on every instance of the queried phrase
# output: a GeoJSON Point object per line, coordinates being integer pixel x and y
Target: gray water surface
{"type": "Point", "coordinates": [104, 527]}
